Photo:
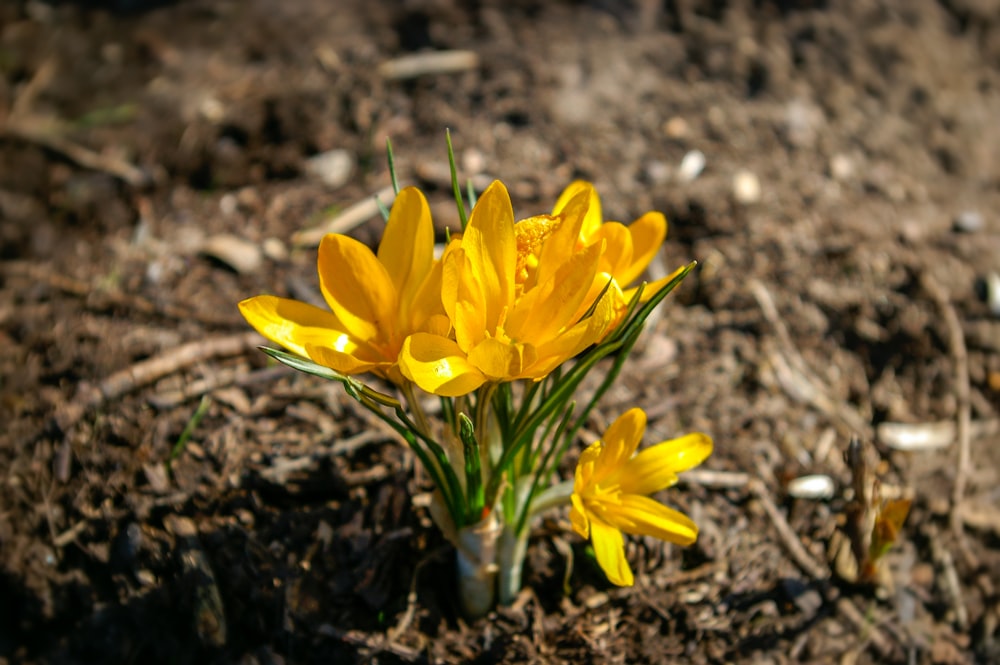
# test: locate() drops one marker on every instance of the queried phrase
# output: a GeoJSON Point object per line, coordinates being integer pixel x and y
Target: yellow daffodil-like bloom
{"type": "Point", "coordinates": [611, 487]}
{"type": "Point", "coordinates": [629, 249]}
{"type": "Point", "coordinates": [375, 300]}
{"type": "Point", "coordinates": [508, 322]}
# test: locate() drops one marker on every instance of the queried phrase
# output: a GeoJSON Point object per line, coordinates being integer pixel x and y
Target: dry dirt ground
{"type": "Point", "coordinates": [155, 168]}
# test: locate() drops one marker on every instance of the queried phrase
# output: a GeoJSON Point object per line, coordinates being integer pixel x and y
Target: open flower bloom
{"type": "Point", "coordinates": [612, 484]}
{"type": "Point", "coordinates": [629, 249]}
{"type": "Point", "coordinates": [375, 300]}
{"type": "Point", "coordinates": [510, 323]}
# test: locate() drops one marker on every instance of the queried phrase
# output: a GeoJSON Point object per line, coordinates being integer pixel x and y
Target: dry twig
{"type": "Point", "coordinates": [20, 123]}
{"type": "Point", "coordinates": [434, 62]}
{"type": "Point", "coordinates": [788, 537]}
{"type": "Point", "coordinates": [960, 357]}
{"type": "Point", "coordinates": [351, 217]}
{"type": "Point", "coordinates": [794, 374]}
{"type": "Point", "coordinates": [143, 373]}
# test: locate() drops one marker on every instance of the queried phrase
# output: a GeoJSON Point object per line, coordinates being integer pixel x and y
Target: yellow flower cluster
{"type": "Point", "coordinates": [507, 300]}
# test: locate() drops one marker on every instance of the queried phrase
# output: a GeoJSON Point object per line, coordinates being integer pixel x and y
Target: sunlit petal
{"type": "Point", "coordinates": [426, 304]}
{"type": "Point", "coordinates": [656, 467]}
{"type": "Point", "coordinates": [565, 241]}
{"type": "Point", "coordinates": [407, 247]}
{"type": "Point", "coordinates": [290, 323]}
{"type": "Point", "coordinates": [489, 244]}
{"type": "Point", "coordinates": [501, 360]}
{"type": "Point", "coordinates": [348, 358]}
{"type": "Point", "coordinates": [437, 365]}
{"type": "Point", "coordinates": [609, 547]}
{"type": "Point", "coordinates": [468, 306]}
{"type": "Point", "coordinates": [559, 298]}
{"type": "Point", "coordinates": [357, 287]}
{"type": "Point", "coordinates": [617, 257]}
{"type": "Point", "coordinates": [642, 516]}
{"type": "Point", "coordinates": [594, 217]}
{"type": "Point", "coordinates": [578, 517]}
{"type": "Point", "coordinates": [648, 233]}
{"type": "Point", "coordinates": [652, 288]}
{"type": "Point", "coordinates": [620, 441]}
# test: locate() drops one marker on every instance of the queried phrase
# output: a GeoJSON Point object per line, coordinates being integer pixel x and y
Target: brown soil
{"type": "Point", "coordinates": [285, 531]}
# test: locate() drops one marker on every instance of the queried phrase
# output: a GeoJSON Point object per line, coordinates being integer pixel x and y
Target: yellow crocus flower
{"type": "Point", "coordinates": [508, 326]}
{"type": "Point", "coordinates": [629, 249]}
{"type": "Point", "coordinates": [375, 300]}
{"type": "Point", "coordinates": [612, 484]}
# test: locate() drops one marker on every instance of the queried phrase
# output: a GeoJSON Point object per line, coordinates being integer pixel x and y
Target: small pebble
{"type": "Point", "coordinates": [988, 290]}
{"type": "Point", "coordinates": [275, 250]}
{"type": "Point", "coordinates": [815, 486]}
{"type": "Point", "coordinates": [145, 577]}
{"type": "Point", "coordinates": [239, 254]}
{"type": "Point", "coordinates": [746, 187]}
{"type": "Point", "coordinates": [473, 161]}
{"type": "Point", "coordinates": [228, 204]}
{"type": "Point", "coordinates": [333, 168]}
{"type": "Point", "coordinates": [657, 172]}
{"type": "Point", "coordinates": [691, 166]}
{"type": "Point", "coordinates": [676, 127]}
{"type": "Point", "coordinates": [968, 221]}
{"type": "Point", "coordinates": [841, 167]}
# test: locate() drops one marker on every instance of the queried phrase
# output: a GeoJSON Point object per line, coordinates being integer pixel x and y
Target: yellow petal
{"type": "Point", "coordinates": [291, 323]}
{"type": "Point", "coordinates": [617, 258]}
{"type": "Point", "coordinates": [437, 365]}
{"type": "Point", "coordinates": [566, 239]}
{"type": "Point", "coordinates": [642, 516]}
{"type": "Point", "coordinates": [426, 304]}
{"type": "Point", "coordinates": [468, 307]}
{"type": "Point", "coordinates": [648, 233]}
{"type": "Point", "coordinates": [652, 288]}
{"type": "Point", "coordinates": [656, 468]}
{"type": "Point", "coordinates": [620, 441]}
{"type": "Point", "coordinates": [501, 360]}
{"type": "Point", "coordinates": [407, 246]}
{"type": "Point", "coordinates": [357, 288]}
{"type": "Point", "coordinates": [351, 360]}
{"type": "Point", "coordinates": [559, 298]}
{"type": "Point", "coordinates": [593, 219]}
{"type": "Point", "coordinates": [490, 247]}
{"type": "Point", "coordinates": [564, 346]}
{"type": "Point", "coordinates": [609, 546]}
{"type": "Point", "coordinates": [585, 467]}
{"type": "Point", "coordinates": [578, 517]}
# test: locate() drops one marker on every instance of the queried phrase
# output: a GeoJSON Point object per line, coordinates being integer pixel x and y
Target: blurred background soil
{"type": "Point", "coordinates": [168, 496]}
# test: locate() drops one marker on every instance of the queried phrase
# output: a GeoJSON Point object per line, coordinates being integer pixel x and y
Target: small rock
{"type": "Point", "coordinates": [691, 166]}
{"type": "Point", "coordinates": [333, 168]}
{"type": "Point", "coordinates": [657, 172]}
{"type": "Point", "coordinates": [988, 290]}
{"type": "Point", "coordinates": [841, 167]}
{"type": "Point", "coordinates": [275, 250]}
{"type": "Point", "coordinates": [239, 254]}
{"type": "Point", "coordinates": [815, 486]}
{"type": "Point", "coordinates": [803, 119]}
{"type": "Point", "coordinates": [473, 161]}
{"type": "Point", "coordinates": [968, 221]}
{"type": "Point", "coordinates": [746, 187]}
{"type": "Point", "coordinates": [228, 204]}
{"type": "Point", "coordinates": [676, 128]}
